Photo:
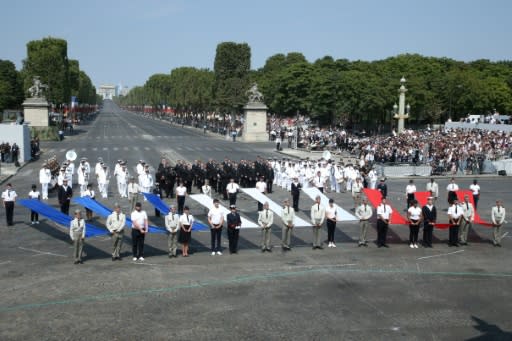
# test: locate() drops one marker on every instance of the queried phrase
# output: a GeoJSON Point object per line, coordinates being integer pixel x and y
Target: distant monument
{"type": "Point", "coordinates": [255, 117]}
{"type": "Point", "coordinates": [35, 108]}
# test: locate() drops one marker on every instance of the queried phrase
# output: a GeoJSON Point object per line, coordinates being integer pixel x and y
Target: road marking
{"type": "Point", "coordinates": [135, 148]}
{"type": "Point", "coordinates": [98, 137]}
{"type": "Point", "coordinates": [102, 297]}
{"type": "Point", "coordinates": [442, 254]}
{"type": "Point", "coordinates": [39, 253]}
{"type": "Point", "coordinates": [105, 148]}
{"type": "Point", "coordinates": [147, 148]}
{"type": "Point", "coordinates": [6, 262]}
{"type": "Point", "coordinates": [84, 149]}
{"type": "Point", "coordinates": [115, 149]}
{"type": "Point", "coordinates": [504, 235]}
{"type": "Point", "coordinates": [94, 149]}
{"type": "Point", "coordinates": [62, 150]}
{"type": "Point", "coordinates": [126, 148]}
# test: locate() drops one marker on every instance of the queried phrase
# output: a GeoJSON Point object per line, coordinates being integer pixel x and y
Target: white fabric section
{"type": "Point", "coordinates": [341, 214]}
{"type": "Point", "coordinates": [274, 207]}
{"type": "Point", "coordinates": [207, 202]}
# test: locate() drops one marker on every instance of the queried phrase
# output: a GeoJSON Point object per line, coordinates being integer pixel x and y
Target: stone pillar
{"type": "Point", "coordinates": [255, 122]}
{"type": "Point", "coordinates": [36, 111]}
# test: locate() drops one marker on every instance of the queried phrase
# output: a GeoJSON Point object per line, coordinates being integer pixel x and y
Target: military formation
{"type": "Point", "coordinates": [225, 178]}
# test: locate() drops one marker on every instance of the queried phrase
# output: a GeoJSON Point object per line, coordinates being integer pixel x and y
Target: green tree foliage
{"type": "Point", "coordinates": [74, 76]}
{"type": "Point", "coordinates": [48, 59]}
{"type": "Point", "coordinates": [11, 88]}
{"type": "Point", "coordinates": [232, 65]}
{"type": "Point", "coordinates": [86, 91]}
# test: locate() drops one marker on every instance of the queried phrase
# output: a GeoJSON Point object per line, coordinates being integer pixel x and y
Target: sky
{"type": "Point", "coordinates": [125, 42]}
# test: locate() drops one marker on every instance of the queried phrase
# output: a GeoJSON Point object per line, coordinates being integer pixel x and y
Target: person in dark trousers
{"type": "Point", "coordinates": [383, 217]}
{"type": "Point", "coordinates": [65, 194]}
{"type": "Point", "coordinates": [429, 212]}
{"type": "Point", "coordinates": [234, 223]}
{"type": "Point", "coordinates": [34, 195]}
{"type": "Point", "coordinates": [455, 213]}
{"type": "Point", "coordinates": [139, 229]}
{"type": "Point", "coordinates": [382, 187]}
{"type": "Point", "coordinates": [158, 192]}
{"type": "Point", "coordinates": [295, 189]}
{"type": "Point", "coordinates": [9, 198]}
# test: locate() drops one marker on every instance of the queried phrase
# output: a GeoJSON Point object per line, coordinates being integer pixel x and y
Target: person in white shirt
{"type": "Point", "coordinates": [414, 215]}
{"type": "Point", "coordinates": [139, 219]}
{"type": "Point", "coordinates": [384, 212]}
{"type": "Point", "coordinates": [117, 170]}
{"type": "Point", "coordinates": [455, 213]}
{"type": "Point", "coordinates": [372, 177]}
{"type": "Point", "coordinates": [146, 181]}
{"type": "Point", "coordinates": [261, 186]}
{"type": "Point", "coordinates": [45, 177]}
{"type": "Point", "coordinates": [9, 198]}
{"type": "Point", "coordinates": [83, 179]}
{"type": "Point", "coordinates": [317, 219]}
{"type": "Point", "coordinates": [433, 188]}
{"type": "Point", "coordinates": [364, 213]}
{"type": "Point", "coordinates": [319, 181]}
{"type": "Point", "coordinates": [452, 188]}
{"type": "Point", "coordinates": [410, 189]}
{"type": "Point", "coordinates": [232, 188]}
{"type": "Point", "coordinates": [206, 188]}
{"type": "Point", "coordinates": [330, 216]}
{"type": "Point", "coordinates": [498, 215]}
{"type": "Point", "coordinates": [467, 221]}
{"type": "Point", "coordinates": [288, 217]}
{"type": "Point", "coordinates": [115, 223]}
{"type": "Point", "coordinates": [34, 195]}
{"type": "Point", "coordinates": [475, 189]}
{"type": "Point", "coordinates": [77, 235]}
{"type": "Point", "coordinates": [172, 224]}
{"type": "Point", "coordinates": [265, 220]}
{"type": "Point", "coordinates": [186, 223]}
{"type": "Point", "coordinates": [216, 221]}
{"type": "Point", "coordinates": [181, 193]}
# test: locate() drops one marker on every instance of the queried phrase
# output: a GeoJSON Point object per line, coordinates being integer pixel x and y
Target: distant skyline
{"type": "Point", "coordinates": [128, 41]}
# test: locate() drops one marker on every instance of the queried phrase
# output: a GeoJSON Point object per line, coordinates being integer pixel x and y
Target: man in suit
{"type": "Point", "coordinates": [265, 220]}
{"type": "Point", "coordinates": [429, 212]}
{"type": "Point", "coordinates": [234, 223]}
{"type": "Point", "coordinates": [467, 220]}
{"type": "Point", "coordinates": [64, 196]}
{"type": "Point", "coordinates": [295, 189]}
{"type": "Point", "coordinates": [498, 219]}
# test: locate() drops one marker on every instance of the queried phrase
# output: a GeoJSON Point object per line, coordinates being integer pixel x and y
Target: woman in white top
{"type": "Point", "coordinates": [35, 195]}
{"type": "Point", "coordinates": [186, 223]}
{"type": "Point", "coordinates": [330, 215]}
{"type": "Point", "coordinates": [414, 216]}
{"type": "Point", "coordinates": [181, 193]}
{"type": "Point", "coordinates": [475, 189]}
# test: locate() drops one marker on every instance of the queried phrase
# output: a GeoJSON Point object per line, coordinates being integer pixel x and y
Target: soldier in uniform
{"type": "Point", "coordinates": [317, 219]}
{"type": "Point", "coordinates": [498, 219]}
{"type": "Point", "coordinates": [45, 177]}
{"type": "Point", "coordinates": [64, 196]}
{"type": "Point", "coordinates": [288, 217]}
{"type": "Point", "coordinates": [429, 212]}
{"type": "Point", "coordinates": [467, 221]}
{"type": "Point", "coordinates": [115, 223]}
{"type": "Point", "coordinates": [364, 213]}
{"type": "Point", "coordinates": [455, 213]}
{"type": "Point", "coordinates": [77, 235]}
{"type": "Point", "coordinates": [172, 224]}
{"type": "Point", "coordinates": [265, 220]}
{"type": "Point", "coordinates": [383, 216]}
{"type": "Point", "coordinates": [234, 222]}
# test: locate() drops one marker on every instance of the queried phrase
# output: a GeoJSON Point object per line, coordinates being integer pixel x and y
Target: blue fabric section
{"type": "Point", "coordinates": [104, 211]}
{"type": "Point", "coordinates": [94, 206]}
{"type": "Point", "coordinates": [164, 209]}
{"type": "Point", "coordinates": [157, 202]}
{"type": "Point", "coordinates": [59, 217]}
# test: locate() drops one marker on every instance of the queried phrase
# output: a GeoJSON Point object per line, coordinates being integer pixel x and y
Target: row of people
{"type": "Point", "coordinates": [179, 227]}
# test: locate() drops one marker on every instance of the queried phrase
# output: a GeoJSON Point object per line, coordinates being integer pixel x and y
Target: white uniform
{"type": "Point", "coordinates": [103, 180]}
{"type": "Point", "coordinates": [45, 177]}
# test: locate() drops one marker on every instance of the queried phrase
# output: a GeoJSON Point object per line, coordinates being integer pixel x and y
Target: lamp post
{"type": "Point", "coordinates": [401, 110]}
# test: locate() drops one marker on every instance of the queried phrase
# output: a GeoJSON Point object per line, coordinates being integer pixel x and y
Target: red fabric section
{"type": "Point", "coordinates": [422, 197]}
{"type": "Point", "coordinates": [478, 219]}
{"type": "Point", "coordinates": [375, 198]}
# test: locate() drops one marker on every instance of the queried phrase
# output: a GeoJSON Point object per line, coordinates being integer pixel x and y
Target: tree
{"type": "Point", "coordinates": [74, 76]}
{"type": "Point", "coordinates": [11, 90]}
{"type": "Point", "coordinates": [231, 81]}
{"type": "Point", "coordinates": [48, 59]}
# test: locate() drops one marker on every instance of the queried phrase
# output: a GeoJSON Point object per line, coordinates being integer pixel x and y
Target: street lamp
{"type": "Point", "coordinates": [400, 110]}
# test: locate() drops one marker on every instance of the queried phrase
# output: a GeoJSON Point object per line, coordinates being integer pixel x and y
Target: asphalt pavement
{"type": "Point", "coordinates": [346, 293]}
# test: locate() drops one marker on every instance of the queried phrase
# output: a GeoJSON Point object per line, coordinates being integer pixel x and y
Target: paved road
{"type": "Point", "coordinates": [347, 293]}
